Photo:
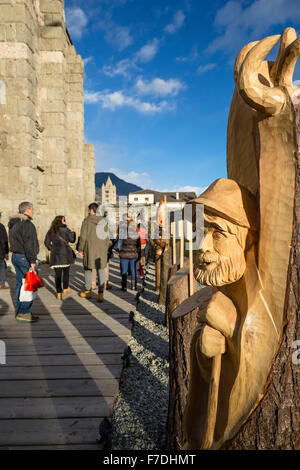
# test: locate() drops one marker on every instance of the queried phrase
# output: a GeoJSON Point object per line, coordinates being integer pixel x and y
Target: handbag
{"type": "Point", "coordinates": [26, 295]}
{"type": "Point", "coordinates": [32, 281]}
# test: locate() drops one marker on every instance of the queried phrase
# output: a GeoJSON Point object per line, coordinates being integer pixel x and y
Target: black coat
{"type": "Point", "coordinates": [3, 242]}
{"type": "Point", "coordinates": [131, 248]}
{"type": "Point", "coordinates": [61, 254]}
{"type": "Point", "coordinates": [23, 237]}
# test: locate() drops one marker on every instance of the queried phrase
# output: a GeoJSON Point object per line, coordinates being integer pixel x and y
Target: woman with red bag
{"type": "Point", "coordinates": [61, 254]}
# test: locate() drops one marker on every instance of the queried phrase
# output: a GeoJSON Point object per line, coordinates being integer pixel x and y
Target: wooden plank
{"type": "Point", "coordinates": [59, 388]}
{"type": "Point", "coordinates": [87, 333]}
{"type": "Point", "coordinates": [63, 360]}
{"type": "Point", "coordinates": [60, 372]}
{"type": "Point", "coordinates": [49, 431]}
{"type": "Point", "coordinates": [20, 347]}
{"type": "Point", "coordinates": [59, 407]}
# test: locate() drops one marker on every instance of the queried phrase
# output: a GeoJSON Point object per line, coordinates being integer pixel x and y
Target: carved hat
{"type": "Point", "coordinates": [226, 198]}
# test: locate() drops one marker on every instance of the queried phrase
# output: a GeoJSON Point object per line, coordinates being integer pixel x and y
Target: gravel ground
{"type": "Point", "coordinates": [141, 407]}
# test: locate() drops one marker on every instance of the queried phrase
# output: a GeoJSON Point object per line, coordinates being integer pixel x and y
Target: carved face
{"type": "Point", "coordinates": [221, 259]}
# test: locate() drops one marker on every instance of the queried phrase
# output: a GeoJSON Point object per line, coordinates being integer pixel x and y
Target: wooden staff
{"type": "Point", "coordinates": [181, 243]}
{"type": "Point", "coordinates": [212, 404]}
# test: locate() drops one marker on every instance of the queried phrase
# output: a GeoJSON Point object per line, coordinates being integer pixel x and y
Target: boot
{"type": "Point", "coordinates": [107, 286]}
{"type": "Point", "coordinates": [124, 286]}
{"type": "Point", "coordinates": [100, 297]}
{"type": "Point", "coordinates": [133, 285]}
{"type": "Point", "coordinates": [86, 294]}
{"type": "Point", "coordinates": [59, 296]}
{"type": "Point", "coordinates": [66, 291]}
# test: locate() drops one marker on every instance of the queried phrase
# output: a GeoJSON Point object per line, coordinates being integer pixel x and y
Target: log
{"type": "Point", "coordinates": [181, 331]}
{"type": "Point", "coordinates": [166, 263]}
{"type": "Point", "coordinates": [275, 422]}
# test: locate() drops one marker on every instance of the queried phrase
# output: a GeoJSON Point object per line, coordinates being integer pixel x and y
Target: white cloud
{"type": "Point", "coordinates": [123, 67]}
{"type": "Point", "coordinates": [296, 82]}
{"type": "Point", "coordinates": [119, 37]}
{"type": "Point", "coordinates": [177, 23]}
{"type": "Point", "coordinates": [76, 22]}
{"type": "Point", "coordinates": [140, 179]}
{"type": "Point", "coordinates": [91, 97]}
{"type": "Point", "coordinates": [242, 22]}
{"type": "Point", "coordinates": [159, 87]}
{"type": "Point", "coordinates": [148, 52]}
{"type": "Point", "coordinates": [86, 60]}
{"type": "Point", "coordinates": [118, 99]}
{"type": "Point", "coordinates": [205, 68]}
{"type": "Point", "coordinates": [184, 189]}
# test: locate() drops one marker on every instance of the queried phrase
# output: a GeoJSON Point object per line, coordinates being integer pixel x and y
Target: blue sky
{"type": "Point", "coordinates": [159, 81]}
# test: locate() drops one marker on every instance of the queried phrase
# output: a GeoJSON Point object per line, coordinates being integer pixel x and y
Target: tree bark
{"type": "Point", "coordinates": [275, 423]}
{"type": "Point", "coordinates": [181, 331]}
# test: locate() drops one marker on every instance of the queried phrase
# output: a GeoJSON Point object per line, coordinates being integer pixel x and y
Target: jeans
{"type": "Point", "coordinates": [125, 264]}
{"type": "Point", "coordinates": [88, 279]}
{"type": "Point", "coordinates": [61, 274]}
{"type": "Point", "coordinates": [21, 265]}
{"type": "Point", "coordinates": [3, 272]}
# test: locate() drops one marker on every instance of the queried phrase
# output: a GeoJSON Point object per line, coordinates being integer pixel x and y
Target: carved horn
{"type": "Point", "coordinates": [287, 64]}
{"type": "Point", "coordinates": [287, 37]}
{"type": "Point", "coordinates": [240, 59]}
{"type": "Point", "coordinates": [269, 100]}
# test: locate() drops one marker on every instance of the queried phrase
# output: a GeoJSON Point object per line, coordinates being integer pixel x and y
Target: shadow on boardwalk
{"type": "Point", "coordinates": [62, 373]}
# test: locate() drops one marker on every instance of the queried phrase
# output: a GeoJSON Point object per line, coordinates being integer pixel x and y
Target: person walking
{"type": "Point", "coordinates": [3, 256]}
{"type": "Point", "coordinates": [62, 256]}
{"type": "Point", "coordinates": [25, 247]}
{"type": "Point", "coordinates": [93, 246]}
{"type": "Point", "coordinates": [129, 253]}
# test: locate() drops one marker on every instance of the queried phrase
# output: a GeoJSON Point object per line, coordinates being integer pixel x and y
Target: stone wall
{"type": "Point", "coordinates": [43, 157]}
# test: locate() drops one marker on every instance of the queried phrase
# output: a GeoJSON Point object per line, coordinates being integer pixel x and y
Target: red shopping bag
{"type": "Point", "coordinates": [33, 281]}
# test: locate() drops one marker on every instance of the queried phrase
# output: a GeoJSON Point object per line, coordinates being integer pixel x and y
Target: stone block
{"type": "Point", "coordinates": [56, 94]}
{"type": "Point", "coordinates": [53, 131]}
{"type": "Point", "coordinates": [53, 81]}
{"type": "Point", "coordinates": [51, 68]}
{"type": "Point", "coordinates": [52, 32]}
{"type": "Point", "coordinates": [52, 6]}
{"type": "Point", "coordinates": [46, 44]}
{"type": "Point", "coordinates": [24, 34]}
{"type": "Point", "coordinates": [11, 32]}
{"type": "Point", "coordinates": [55, 106]}
{"type": "Point", "coordinates": [26, 108]}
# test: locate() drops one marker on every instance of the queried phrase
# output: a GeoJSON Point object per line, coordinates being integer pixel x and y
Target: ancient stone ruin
{"type": "Point", "coordinates": [43, 157]}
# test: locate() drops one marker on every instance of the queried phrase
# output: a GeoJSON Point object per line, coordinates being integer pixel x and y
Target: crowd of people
{"type": "Point", "coordinates": [94, 248]}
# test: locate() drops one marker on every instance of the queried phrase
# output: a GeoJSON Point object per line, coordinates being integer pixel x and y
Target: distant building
{"type": "Point", "coordinates": [175, 200]}
{"type": "Point", "coordinates": [109, 192]}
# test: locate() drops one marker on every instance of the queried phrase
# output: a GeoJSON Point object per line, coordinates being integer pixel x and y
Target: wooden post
{"type": "Point", "coordinates": [191, 271]}
{"type": "Point", "coordinates": [181, 331]}
{"type": "Point", "coordinates": [173, 234]}
{"type": "Point", "coordinates": [181, 225]}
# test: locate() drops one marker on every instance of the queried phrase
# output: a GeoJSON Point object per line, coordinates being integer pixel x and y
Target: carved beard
{"type": "Point", "coordinates": [228, 269]}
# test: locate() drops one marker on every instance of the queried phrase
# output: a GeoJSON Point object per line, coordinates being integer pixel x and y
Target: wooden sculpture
{"type": "Point", "coordinates": [251, 224]}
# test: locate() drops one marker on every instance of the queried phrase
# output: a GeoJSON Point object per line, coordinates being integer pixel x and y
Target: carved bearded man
{"type": "Point", "coordinates": [235, 326]}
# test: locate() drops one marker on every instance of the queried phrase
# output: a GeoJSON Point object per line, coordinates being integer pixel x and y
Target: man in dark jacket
{"type": "Point", "coordinates": [3, 256]}
{"type": "Point", "coordinates": [25, 247]}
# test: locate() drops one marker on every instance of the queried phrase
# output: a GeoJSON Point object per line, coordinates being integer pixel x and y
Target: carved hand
{"type": "Point", "coordinates": [212, 342]}
{"type": "Point", "coordinates": [219, 313]}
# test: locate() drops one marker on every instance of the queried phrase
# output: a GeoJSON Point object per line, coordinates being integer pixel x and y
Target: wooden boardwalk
{"type": "Point", "coordinates": [62, 374]}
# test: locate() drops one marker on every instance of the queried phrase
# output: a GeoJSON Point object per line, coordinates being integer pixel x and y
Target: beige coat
{"type": "Point", "coordinates": [93, 247]}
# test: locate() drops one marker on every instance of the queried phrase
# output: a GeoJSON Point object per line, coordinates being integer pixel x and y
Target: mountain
{"type": "Point", "coordinates": [123, 188]}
